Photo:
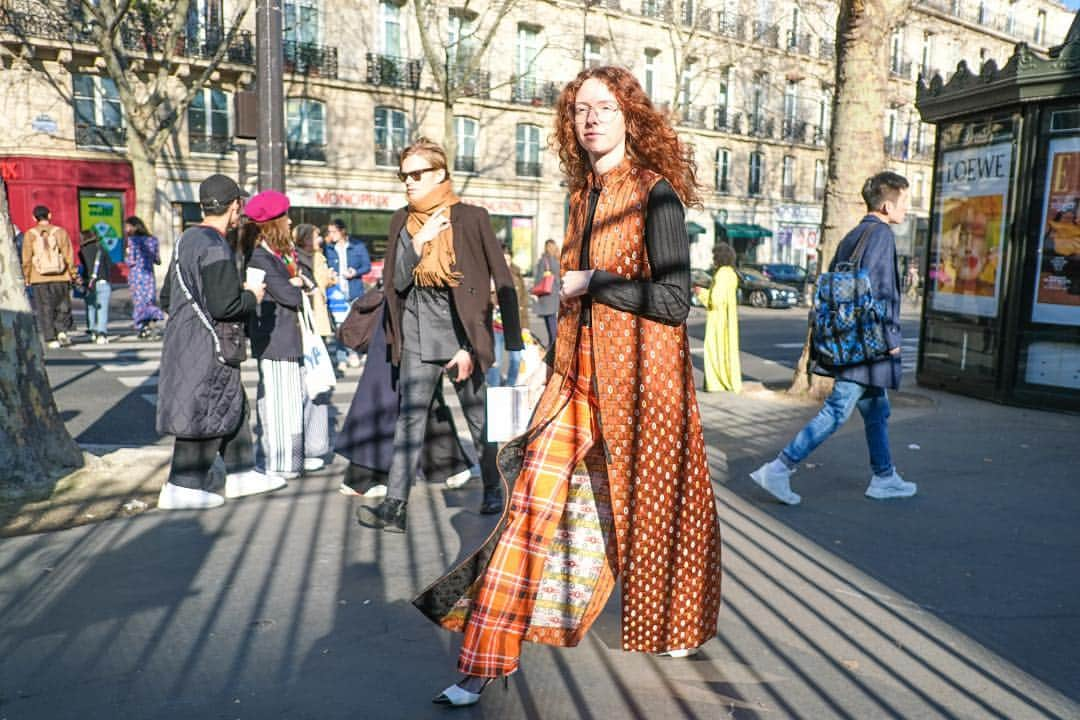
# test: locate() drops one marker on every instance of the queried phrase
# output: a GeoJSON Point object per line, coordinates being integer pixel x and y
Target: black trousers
{"type": "Point", "coordinates": [418, 382]}
{"type": "Point", "coordinates": [192, 457]}
{"type": "Point", "coordinates": [52, 308]}
{"type": "Point", "coordinates": [551, 324]}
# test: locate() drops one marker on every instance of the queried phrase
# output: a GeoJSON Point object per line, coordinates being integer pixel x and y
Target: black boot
{"type": "Point", "coordinates": [389, 515]}
{"type": "Point", "coordinates": [493, 500]}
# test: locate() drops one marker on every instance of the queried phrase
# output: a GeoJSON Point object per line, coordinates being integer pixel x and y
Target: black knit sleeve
{"type": "Point", "coordinates": [665, 297]}
{"type": "Point", "coordinates": [225, 297]}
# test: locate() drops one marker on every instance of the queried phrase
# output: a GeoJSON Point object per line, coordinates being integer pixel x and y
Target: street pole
{"type": "Point", "coordinates": [269, 89]}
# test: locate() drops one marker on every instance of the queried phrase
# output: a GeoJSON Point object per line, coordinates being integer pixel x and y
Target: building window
{"type": "Point", "coordinates": [891, 126]}
{"type": "Point", "coordinates": [305, 129]}
{"type": "Point", "coordinates": [594, 52]}
{"type": "Point", "coordinates": [1040, 28]}
{"type": "Point", "coordinates": [757, 172]}
{"type": "Point", "coordinates": [788, 180]}
{"type": "Point", "coordinates": [465, 132]}
{"type": "Point", "coordinates": [819, 180]}
{"type": "Point", "coordinates": [918, 190]}
{"type": "Point", "coordinates": [897, 51]}
{"type": "Point", "coordinates": [391, 131]}
{"type": "Point", "coordinates": [926, 62]}
{"type": "Point", "coordinates": [824, 116]}
{"type": "Point", "coordinates": [650, 73]}
{"type": "Point", "coordinates": [300, 21]}
{"type": "Point", "coordinates": [722, 101]}
{"type": "Point", "coordinates": [686, 85]}
{"type": "Point", "coordinates": [757, 103]}
{"type": "Point", "coordinates": [723, 170]}
{"type": "Point", "coordinates": [99, 117]}
{"type": "Point", "coordinates": [461, 42]}
{"type": "Point", "coordinates": [205, 27]}
{"type": "Point", "coordinates": [528, 151]}
{"type": "Point", "coordinates": [528, 49]}
{"type": "Point", "coordinates": [390, 28]}
{"type": "Point", "coordinates": [208, 122]}
{"type": "Point", "coordinates": [791, 101]}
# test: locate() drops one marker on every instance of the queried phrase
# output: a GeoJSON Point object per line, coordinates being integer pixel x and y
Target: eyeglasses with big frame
{"type": "Point", "coordinates": [604, 112]}
{"type": "Point", "coordinates": [416, 175]}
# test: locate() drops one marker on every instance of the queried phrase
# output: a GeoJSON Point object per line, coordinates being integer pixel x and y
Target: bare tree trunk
{"type": "Point", "coordinates": [144, 170]}
{"type": "Point", "coordinates": [35, 447]}
{"type": "Point", "coordinates": [449, 131]}
{"type": "Point", "coordinates": [856, 147]}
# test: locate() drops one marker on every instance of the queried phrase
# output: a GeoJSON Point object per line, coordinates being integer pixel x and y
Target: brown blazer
{"type": "Point", "coordinates": [480, 259]}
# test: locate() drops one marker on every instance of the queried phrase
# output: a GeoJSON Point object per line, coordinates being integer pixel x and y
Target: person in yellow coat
{"type": "Point", "coordinates": [723, 371]}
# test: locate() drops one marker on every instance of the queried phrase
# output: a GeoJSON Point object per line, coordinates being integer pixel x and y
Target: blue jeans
{"type": "Point", "coordinates": [873, 404]}
{"type": "Point", "coordinates": [494, 373]}
{"type": "Point", "coordinates": [97, 308]}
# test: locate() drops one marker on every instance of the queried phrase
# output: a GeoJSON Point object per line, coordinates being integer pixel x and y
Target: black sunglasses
{"type": "Point", "coordinates": [415, 174]}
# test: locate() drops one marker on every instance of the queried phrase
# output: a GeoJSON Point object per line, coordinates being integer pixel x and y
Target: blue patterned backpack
{"type": "Point", "coordinates": [847, 323]}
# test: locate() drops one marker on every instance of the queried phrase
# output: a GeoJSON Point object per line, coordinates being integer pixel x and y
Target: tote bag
{"type": "Point", "coordinates": [508, 412]}
{"type": "Point", "coordinates": [318, 370]}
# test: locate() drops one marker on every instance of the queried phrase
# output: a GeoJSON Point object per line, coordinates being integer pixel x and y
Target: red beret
{"type": "Point", "coordinates": [266, 206]}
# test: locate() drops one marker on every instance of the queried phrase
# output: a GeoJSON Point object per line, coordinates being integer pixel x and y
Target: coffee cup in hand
{"type": "Point", "coordinates": [254, 276]}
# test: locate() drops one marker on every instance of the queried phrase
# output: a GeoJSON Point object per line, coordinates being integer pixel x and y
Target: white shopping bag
{"type": "Point", "coordinates": [318, 369]}
{"type": "Point", "coordinates": [508, 412]}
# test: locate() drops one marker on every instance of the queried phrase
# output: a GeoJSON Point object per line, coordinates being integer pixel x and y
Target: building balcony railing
{"type": "Point", "coordinates": [900, 68]}
{"type": "Point", "coordinates": [724, 120]}
{"type": "Point", "coordinates": [660, 9]}
{"type": "Point", "coordinates": [212, 144]}
{"type": "Point", "coordinates": [312, 152]}
{"type": "Point", "coordinates": [827, 49]}
{"type": "Point", "coordinates": [310, 59]}
{"type": "Point", "coordinates": [100, 135]}
{"type": "Point", "coordinates": [240, 51]}
{"type": "Point", "coordinates": [731, 25]}
{"type": "Point", "coordinates": [982, 16]}
{"type": "Point", "coordinates": [694, 116]}
{"type": "Point", "coordinates": [391, 71]}
{"type": "Point", "coordinates": [699, 18]}
{"type": "Point", "coordinates": [795, 130]}
{"type": "Point", "coordinates": [530, 91]}
{"type": "Point", "coordinates": [476, 84]}
{"type": "Point", "coordinates": [759, 125]}
{"type": "Point", "coordinates": [766, 34]}
{"type": "Point", "coordinates": [787, 192]}
{"type": "Point", "coordinates": [800, 43]}
{"type": "Point", "coordinates": [819, 135]}
{"type": "Point", "coordinates": [387, 157]}
{"type": "Point", "coordinates": [527, 169]}
{"type": "Point", "coordinates": [465, 164]}
{"type": "Point", "coordinates": [901, 149]}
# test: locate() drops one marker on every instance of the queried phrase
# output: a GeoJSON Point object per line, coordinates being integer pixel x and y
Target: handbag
{"type": "Point", "coordinates": [227, 335]}
{"type": "Point", "coordinates": [358, 327]}
{"type": "Point", "coordinates": [319, 375]}
{"type": "Point", "coordinates": [544, 285]}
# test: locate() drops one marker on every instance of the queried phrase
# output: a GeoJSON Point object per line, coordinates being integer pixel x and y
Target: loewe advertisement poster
{"type": "Point", "coordinates": [965, 270]}
{"type": "Point", "coordinates": [1057, 286]}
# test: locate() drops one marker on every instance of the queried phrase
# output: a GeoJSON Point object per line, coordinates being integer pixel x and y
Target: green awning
{"type": "Point", "coordinates": [692, 228]}
{"type": "Point", "coordinates": [746, 230]}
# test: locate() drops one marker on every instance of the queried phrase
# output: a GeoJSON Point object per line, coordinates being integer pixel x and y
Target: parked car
{"type": "Point", "coordinates": [759, 291]}
{"type": "Point", "coordinates": [783, 273]}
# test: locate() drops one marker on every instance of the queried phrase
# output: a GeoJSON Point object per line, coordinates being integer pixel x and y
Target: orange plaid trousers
{"type": "Point", "coordinates": [506, 597]}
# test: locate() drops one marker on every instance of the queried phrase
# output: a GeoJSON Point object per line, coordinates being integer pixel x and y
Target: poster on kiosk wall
{"type": "Point", "coordinates": [1057, 290]}
{"type": "Point", "coordinates": [970, 230]}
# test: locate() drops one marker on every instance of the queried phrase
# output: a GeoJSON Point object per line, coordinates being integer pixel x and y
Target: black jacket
{"type": "Point", "coordinates": [275, 328]}
{"type": "Point", "coordinates": [88, 255]}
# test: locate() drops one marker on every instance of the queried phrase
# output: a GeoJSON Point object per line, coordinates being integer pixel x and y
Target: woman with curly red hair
{"type": "Point", "coordinates": [611, 479]}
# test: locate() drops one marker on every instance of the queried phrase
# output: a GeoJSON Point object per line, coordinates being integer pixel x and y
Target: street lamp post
{"type": "Point", "coordinates": [269, 90]}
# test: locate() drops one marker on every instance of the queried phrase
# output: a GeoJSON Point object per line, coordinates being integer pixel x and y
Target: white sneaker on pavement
{"type": "Point", "coordinates": [353, 361]}
{"type": "Point", "coordinates": [458, 480]}
{"type": "Point", "coordinates": [681, 653]}
{"type": "Point", "coordinates": [889, 487]}
{"type": "Point", "coordinates": [376, 492]}
{"type": "Point", "coordinates": [251, 482]}
{"type": "Point", "coordinates": [63, 339]}
{"type": "Point", "coordinates": [775, 478]}
{"type": "Point", "coordinates": [312, 464]}
{"type": "Point", "coordinates": [53, 344]}
{"type": "Point", "coordinates": [174, 497]}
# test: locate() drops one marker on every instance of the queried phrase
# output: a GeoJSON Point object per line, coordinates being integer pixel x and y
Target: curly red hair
{"type": "Point", "coordinates": [651, 141]}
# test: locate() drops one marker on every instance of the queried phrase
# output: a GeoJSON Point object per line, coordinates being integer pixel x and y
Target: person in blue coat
{"type": "Point", "coordinates": [347, 256]}
{"type": "Point", "coordinates": [863, 386]}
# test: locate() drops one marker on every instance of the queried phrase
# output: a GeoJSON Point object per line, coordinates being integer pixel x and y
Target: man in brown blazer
{"type": "Point", "coordinates": [441, 259]}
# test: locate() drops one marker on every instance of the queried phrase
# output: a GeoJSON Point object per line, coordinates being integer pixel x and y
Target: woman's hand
{"type": "Point", "coordinates": [296, 281]}
{"type": "Point", "coordinates": [463, 360]}
{"type": "Point", "coordinates": [575, 283]}
{"type": "Point", "coordinates": [431, 229]}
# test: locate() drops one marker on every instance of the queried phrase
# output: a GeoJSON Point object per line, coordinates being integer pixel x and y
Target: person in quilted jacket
{"type": "Point", "coordinates": [864, 386]}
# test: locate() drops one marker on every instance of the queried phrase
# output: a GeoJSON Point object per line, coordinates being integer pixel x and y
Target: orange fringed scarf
{"type": "Point", "coordinates": [437, 258]}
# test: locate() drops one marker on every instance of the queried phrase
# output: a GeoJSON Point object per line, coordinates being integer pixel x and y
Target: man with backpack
{"type": "Point", "coordinates": [863, 373]}
{"type": "Point", "coordinates": [48, 266]}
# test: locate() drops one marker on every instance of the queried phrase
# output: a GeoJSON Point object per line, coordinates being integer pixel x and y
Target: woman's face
{"type": "Point", "coordinates": [421, 177]}
{"type": "Point", "coordinates": [598, 119]}
{"type": "Point", "coordinates": [129, 229]}
{"type": "Point", "coordinates": [316, 239]}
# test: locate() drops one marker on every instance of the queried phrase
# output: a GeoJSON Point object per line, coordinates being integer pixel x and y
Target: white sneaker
{"type": "Point", "coordinates": [775, 478]}
{"type": "Point", "coordinates": [174, 497]}
{"type": "Point", "coordinates": [681, 653]}
{"type": "Point", "coordinates": [354, 360]}
{"type": "Point", "coordinates": [53, 344]}
{"type": "Point", "coordinates": [63, 339]}
{"type": "Point", "coordinates": [251, 482]}
{"type": "Point", "coordinates": [889, 487]}
{"type": "Point", "coordinates": [312, 464]}
{"type": "Point", "coordinates": [455, 481]}
{"type": "Point", "coordinates": [101, 340]}
{"type": "Point", "coordinates": [376, 492]}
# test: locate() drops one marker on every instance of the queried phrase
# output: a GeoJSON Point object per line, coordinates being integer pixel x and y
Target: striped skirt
{"type": "Point", "coordinates": [279, 426]}
{"type": "Point", "coordinates": [555, 564]}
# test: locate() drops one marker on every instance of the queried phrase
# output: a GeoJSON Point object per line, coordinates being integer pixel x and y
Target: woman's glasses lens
{"type": "Point", "coordinates": [415, 174]}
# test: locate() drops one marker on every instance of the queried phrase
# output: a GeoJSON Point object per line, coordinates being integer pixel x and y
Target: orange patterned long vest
{"type": "Point", "coordinates": [666, 527]}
